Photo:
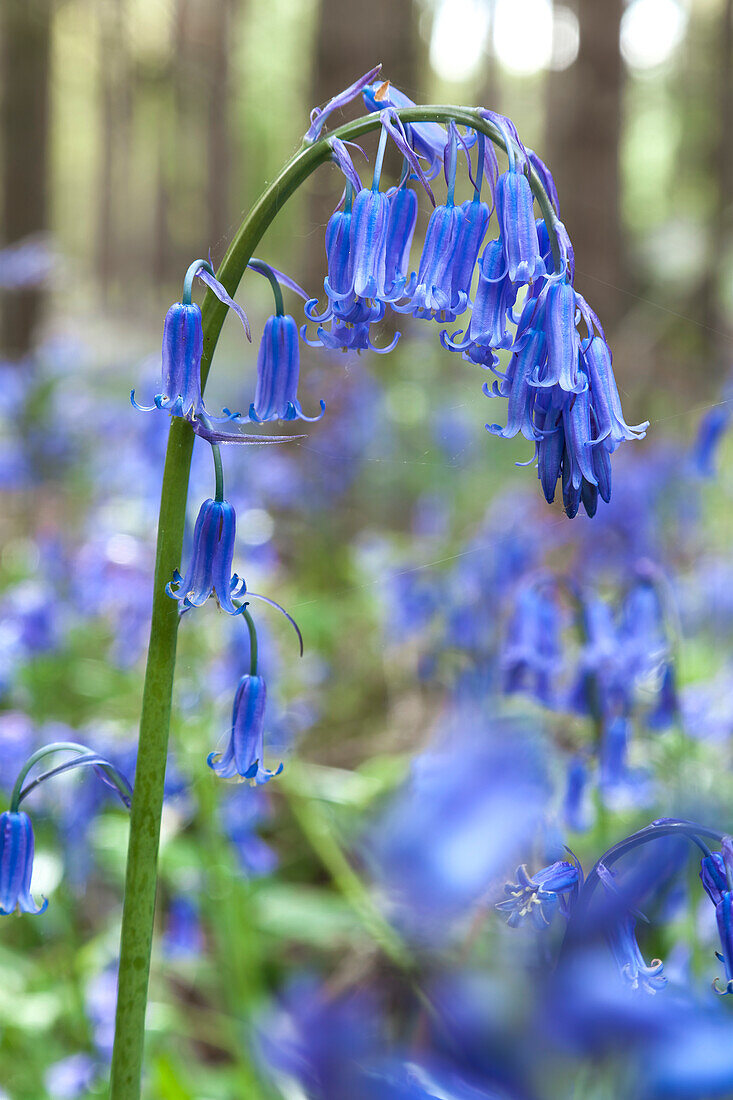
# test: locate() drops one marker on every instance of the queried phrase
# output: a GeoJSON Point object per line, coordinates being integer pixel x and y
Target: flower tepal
{"type": "Point", "coordinates": [16, 864]}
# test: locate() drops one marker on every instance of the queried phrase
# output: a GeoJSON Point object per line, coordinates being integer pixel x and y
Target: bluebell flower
{"type": "Point", "coordinates": [563, 340]}
{"type": "Point", "coordinates": [243, 755]}
{"type": "Point", "coordinates": [515, 211]}
{"type": "Point", "coordinates": [713, 876]}
{"type": "Point", "coordinates": [517, 386]}
{"type": "Point", "coordinates": [210, 571]}
{"type": "Point", "coordinates": [627, 953]}
{"type": "Point", "coordinates": [16, 864]}
{"type": "Point", "coordinates": [400, 230]}
{"type": "Point", "coordinates": [550, 445]}
{"type": "Point", "coordinates": [368, 249]}
{"type": "Point", "coordinates": [711, 429]}
{"type": "Point", "coordinates": [433, 285]}
{"type": "Point", "coordinates": [183, 345]}
{"type": "Point", "coordinates": [612, 429]}
{"type": "Point", "coordinates": [495, 296]}
{"type": "Point", "coordinates": [531, 654]}
{"type": "Point", "coordinates": [578, 436]}
{"type": "Point", "coordinates": [471, 232]}
{"type": "Point", "coordinates": [538, 897]}
{"type": "Point", "coordinates": [339, 282]}
{"type": "Point", "coordinates": [369, 223]}
{"type": "Point", "coordinates": [278, 371]}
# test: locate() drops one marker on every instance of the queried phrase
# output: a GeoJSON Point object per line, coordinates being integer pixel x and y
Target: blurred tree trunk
{"type": "Point", "coordinates": [352, 38]}
{"type": "Point", "coordinates": [489, 84]}
{"type": "Point", "coordinates": [714, 314]}
{"type": "Point", "coordinates": [584, 129]}
{"type": "Point", "coordinates": [218, 132]}
{"type": "Point", "coordinates": [25, 30]}
{"type": "Point", "coordinates": [115, 112]}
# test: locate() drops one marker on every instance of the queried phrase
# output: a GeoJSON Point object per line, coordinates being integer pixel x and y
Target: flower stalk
{"type": "Point", "coordinates": [141, 875]}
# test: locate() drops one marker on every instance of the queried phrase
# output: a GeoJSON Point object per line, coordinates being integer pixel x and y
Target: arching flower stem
{"type": "Point", "coordinates": [19, 792]}
{"type": "Point", "coordinates": [266, 270]}
{"type": "Point", "coordinates": [252, 641]}
{"type": "Point", "coordinates": [141, 875]}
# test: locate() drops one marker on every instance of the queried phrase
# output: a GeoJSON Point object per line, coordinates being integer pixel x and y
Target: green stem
{"type": "Point", "coordinates": [266, 270]}
{"type": "Point", "coordinates": [18, 794]}
{"type": "Point", "coordinates": [252, 642]}
{"type": "Point", "coordinates": [147, 803]}
{"type": "Point", "coordinates": [193, 269]}
{"type": "Point", "coordinates": [218, 473]}
{"type": "Point", "coordinates": [319, 835]}
{"type": "Point", "coordinates": [57, 746]}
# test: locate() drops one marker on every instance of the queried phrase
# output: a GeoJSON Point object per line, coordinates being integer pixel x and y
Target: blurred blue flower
{"type": "Point", "coordinates": [711, 429]}
{"type": "Point", "coordinates": [318, 1040]}
{"type": "Point", "coordinates": [576, 811]}
{"type": "Point", "coordinates": [17, 742]}
{"type": "Point", "coordinates": [71, 1077]}
{"type": "Point", "coordinates": [100, 1002]}
{"type": "Point", "coordinates": [183, 937]}
{"type": "Point", "coordinates": [531, 654]}
{"type": "Point", "coordinates": [484, 777]}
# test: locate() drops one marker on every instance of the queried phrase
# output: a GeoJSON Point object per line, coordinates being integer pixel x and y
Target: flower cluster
{"type": "Point", "coordinates": [559, 382]}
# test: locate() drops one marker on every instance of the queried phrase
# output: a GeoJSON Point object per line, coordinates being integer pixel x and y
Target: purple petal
{"type": "Point", "coordinates": [320, 114]}
{"type": "Point", "coordinates": [213, 436]}
{"type": "Point", "coordinates": [393, 125]}
{"type": "Point", "coordinates": [285, 280]}
{"type": "Point", "coordinates": [215, 286]}
{"type": "Point", "coordinates": [342, 156]}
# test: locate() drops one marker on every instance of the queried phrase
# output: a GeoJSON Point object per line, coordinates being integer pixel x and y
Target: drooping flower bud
{"type": "Point", "coordinates": [16, 864]}
{"type": "Point", "coordinates": [210, 571]}
{"type": "Point", "coordinates": [244, 751]}
{"type": "Point", "coordinates": [278, 371]}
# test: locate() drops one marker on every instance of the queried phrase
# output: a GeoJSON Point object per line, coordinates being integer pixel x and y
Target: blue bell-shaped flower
{"type": "Point", "coordinates": [16, 864]}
